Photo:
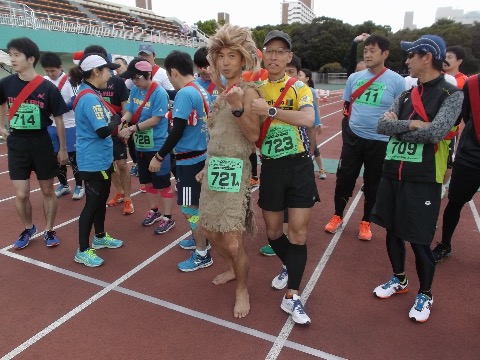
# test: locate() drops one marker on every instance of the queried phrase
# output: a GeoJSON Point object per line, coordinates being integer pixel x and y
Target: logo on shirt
{"type": "Point", "coordinates": [41, 96]}
{"type": "Point", "coordinates": [428, 203]}
{"type": "Point", "coordinates": [98, 110]}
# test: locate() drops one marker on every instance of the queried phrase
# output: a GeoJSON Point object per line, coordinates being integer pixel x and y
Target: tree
{"type": "Point", "coordinates": [208, 27]}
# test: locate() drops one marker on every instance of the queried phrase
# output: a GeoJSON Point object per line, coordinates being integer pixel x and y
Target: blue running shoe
{"type": "Point", "coordinates": [195, 262]}
{"type": "Point", "coordinates": [106, 242]}
{"type": "Point", "coordinates": [78, 193]}
{"type": "Point", "coordinates": [88, 258]}
{"type": "Point", "coordinates": [50, 238]}
{"type": "Point", "coordinates": [420, 311]}
{"type": "Point", "coordinates": [189, 244]}
{"type": "Point", "coordinates": [134, 170]}
{"type": "Point", "coordinates": [24, 238]}
{"type": "Point", "coordinates": [62, 190]}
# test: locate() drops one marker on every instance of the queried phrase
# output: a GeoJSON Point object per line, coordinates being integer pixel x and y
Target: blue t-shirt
{"type": "Point", "coordinates": [157, 105]}
{"type": "Point", "coordinates": [189, 105]}
{"type": "Point", "coordinates": [376, 100]}
{"type": "Point", "coordinates": [93, 152]}
{"type": "Point", "coordinates": [318, 120]}
{"type": "Point", "coordinates": [206, 84]}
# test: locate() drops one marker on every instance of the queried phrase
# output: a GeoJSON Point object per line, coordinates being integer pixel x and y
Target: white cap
{"type": "Point", "coordinates": [91, 61]}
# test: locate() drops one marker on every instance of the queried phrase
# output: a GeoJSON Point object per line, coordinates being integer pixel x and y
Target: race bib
{"type": "Point", "coordinates": [280, 141]}
{"type": "Point", "coordinates": [144, 139]}
{"type": "Point", "coordinates": [404, 151]}
{"type": "Point", "coordinates": [373, 95]}
{"type": "Point", "coordinates": [27, 117]}
{"type": "Point", "coordinates": [224, 174]}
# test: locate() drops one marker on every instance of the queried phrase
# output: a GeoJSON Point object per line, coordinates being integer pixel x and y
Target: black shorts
{"type": "Point", "coordinates": [145, 176]}
{"type": "Point", "coordinates": [409, 209]}
{"type": "Point", "coordinates": [104, 175]}
{"type": "Point", "coordinates": [31, 153]}
{"type": "Point", "coordinates": [464, 183]}
{"type": "Point", "coordinates": [119, 148]}
{"type": "Point", "coordinates": [287, 182]}
{"type": "Point", "coordinates": [188, 187]}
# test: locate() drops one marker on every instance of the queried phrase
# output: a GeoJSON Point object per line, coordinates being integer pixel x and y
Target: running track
{"type": "Point", "coordinates": [139, 306]}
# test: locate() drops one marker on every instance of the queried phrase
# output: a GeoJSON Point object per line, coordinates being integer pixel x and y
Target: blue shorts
{"type": "Point", "coordinates": [70, 136]}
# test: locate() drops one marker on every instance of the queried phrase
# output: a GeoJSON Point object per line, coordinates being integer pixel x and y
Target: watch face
{"type": "Point", "coordinates": [238, 112]}
{"type": "Point", "coordinates": [272, 111]}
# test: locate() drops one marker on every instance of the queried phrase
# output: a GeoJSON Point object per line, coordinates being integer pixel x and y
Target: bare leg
{"type": "Point", "coordinates": [116, 182]}
{"type": "Point", "coordinates": [217, 241]}
{"type": "Point", "coordinates": [125, 180]}
{"type": "Point", "coordinates": [22, 201]}
{"type": "Point", "coordinates": [49, 202]}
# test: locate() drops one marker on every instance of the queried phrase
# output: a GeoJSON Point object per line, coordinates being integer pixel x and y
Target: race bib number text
{"type": "Point", "coordinates": [224, 174]}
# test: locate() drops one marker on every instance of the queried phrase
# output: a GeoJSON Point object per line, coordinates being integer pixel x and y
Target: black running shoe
{"type": "Point", "coordinates": [441, 251]}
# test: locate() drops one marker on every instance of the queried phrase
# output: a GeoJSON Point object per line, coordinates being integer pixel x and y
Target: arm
{"type": "Point", "coordinates": [249, 122]}
{"type": "Point", "coordinates": [305, 116]}
{"type": "Point", "coordinates": [174, 137]}
{"type": "Point", "coordinates": [62, 156]}
{"type": "Point", "coordinates": [353, 58]}
{"type": "Point", "coordinates": [3, 118]}
{"type": "Point", "coordinates": [106, 131]}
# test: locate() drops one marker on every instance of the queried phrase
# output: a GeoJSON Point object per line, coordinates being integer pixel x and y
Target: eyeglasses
{"type": "Point", "coordinates": [137, 77]}
{"type": "Point", "coordinates": [412, 54]}
{"type": "Point", "coordinates": [280, 52]}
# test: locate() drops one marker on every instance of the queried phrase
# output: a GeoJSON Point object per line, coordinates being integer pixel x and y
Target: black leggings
{"type": "Point", "coordinates": [62, 170]}
{"type": "Point", "coordinates": [97, 190]}
{"type": "Point", "coordinates": [424, 260]}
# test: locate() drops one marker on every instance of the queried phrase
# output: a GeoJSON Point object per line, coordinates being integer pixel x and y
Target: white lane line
{"type": "Point", "coordinates": [165, 304]}
{"type": "Point", "coordinates": [289, 324]}
{"type": "Point", "coordinates": [86, 303]}
{"type": "Point", "coordinates": [475, 214]}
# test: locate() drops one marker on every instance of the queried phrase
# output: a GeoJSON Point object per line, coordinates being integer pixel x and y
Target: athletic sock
{"type": "Point", "coordinates": [402, 278]}
{"type": "Point", "coordinates": [100, 235]}
{"type": "Point", "coordinates": [427, 293]}
{"type": "Point", "coordinates": [202, 253]}
{"type": "Point", "coordinates": [155, 209]}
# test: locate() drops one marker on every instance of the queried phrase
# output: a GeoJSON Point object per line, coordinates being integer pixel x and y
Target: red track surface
{"type": "Point", "coordinates": [138, 305]}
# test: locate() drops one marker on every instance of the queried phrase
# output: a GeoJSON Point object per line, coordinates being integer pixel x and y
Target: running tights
{"type": "Point", "coordinates": [253, 161]}
{"type": "Point", "coordinates": [424, 260]}
{"type": "Point", "coordinates": [451, 216]}
{"type": "Point", "coordinates": [62, 170]}
{"type": "Point", "coordinates": [293, 256]}
{"type": "Point", "coordinates": [131, 149]}
{"type": "Point", "coordinates": [93, 213]}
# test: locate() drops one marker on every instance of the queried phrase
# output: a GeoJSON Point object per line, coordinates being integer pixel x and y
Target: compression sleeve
{"type": "Point", "coordinates": [174, 136]}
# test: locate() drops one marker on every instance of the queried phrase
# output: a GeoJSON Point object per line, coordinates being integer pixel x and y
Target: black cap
{"type": "Point", "coordinates": [278, 34]}
{"type": "Point", "coordinates": [133, 69]}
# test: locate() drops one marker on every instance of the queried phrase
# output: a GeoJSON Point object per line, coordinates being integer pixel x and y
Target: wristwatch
{"type": "Point", "coordinates": [272, 112]}
{"type": "Point", "coordinates": [238, 112]}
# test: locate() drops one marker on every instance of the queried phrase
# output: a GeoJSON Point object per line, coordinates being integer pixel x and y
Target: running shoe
{"type": "Point", "coordinates": [143, 189]}
{"type": "Point", "coordinates": [50, 238]}
{"type": "Point", "coordinates": [117, 199]}
{"type": "Point", "coordinates": [280, 282]}
{"type": "Point", "coordinates": [189, 244]}
{"type": "Point", "coordinates": [391, 287]}
{"type": "Point", "coordinates": [165, 225]}
{"type": "Point", "coordinates": [24, 238]}
{"type": "Point", "coordinates": [334, 224]}
{"type": "Point", "coordinates": [441, 251]}
{"type": "Point", "coordinates": [267, 250]}
{"type": "Point", "coordinates": [78, 193]}
{"type": "Point", "coordinates": [420, 310]}
{"type": "Point", "coordinates": [195, 262]}
{"type": "Point", "coordinates": [106, 242]}
{"type": "Point", "coordinates": [151, 217]}
{"type": "Point", "coordinates": [294, 307]}
{"type": "Point", "coordinates": [364, 232]}
{"type": "Point", "coordinates": [254, 181]}
{"type": "Point", "coordinates": [322, 175]}
{"type": "Point", "coordinates": [134, 170]}
{"type": "Point", "coordinates": [128, 208]}
{"type": "Point", "coordinates": [62, 190]}
{"type": "Point", "coordinates": [88, 258]}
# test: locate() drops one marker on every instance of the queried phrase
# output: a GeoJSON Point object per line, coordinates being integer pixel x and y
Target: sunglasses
{"type": "Point", "coordinates": [137, 77]}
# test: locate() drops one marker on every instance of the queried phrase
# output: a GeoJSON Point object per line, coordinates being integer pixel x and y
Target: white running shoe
{"type": "Point", "coordinates": [295, 308]}
{"type": "Point", "coordinates": [78, 193]}
{"type": "Point", "coordinates": [279, 282]}
{"type": "Point", "coordinates": [420, 310]}
{"type": "Point", "coordinates": [391, 287]}
{"type": "Point", "coordinates": [62, 190]}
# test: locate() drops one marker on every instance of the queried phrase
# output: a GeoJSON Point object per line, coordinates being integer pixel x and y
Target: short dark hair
{"type": "Point", "coordinates": [50, 59]}
{"type": "Point", "coordinates": [309, 75]}
{"type": "Point", "coordinates": [200, 57]}
{"type": "Point", "coordinates": [382, 42]}
{"type": "Point", "coordinates": [459, 52]}
{"type": "Point", "coordinates": [296, 62]}
{"type": "Point", "coordinates": [181, 61]}
{"type": "Point", "coordinates": [122, 60]}
{"type": "Point", "coordinates": [26, 46]}
{"type": "Point", "coordinates": [95, 49]}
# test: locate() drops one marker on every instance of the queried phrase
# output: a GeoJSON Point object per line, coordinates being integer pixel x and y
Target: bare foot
{"type": "Point", "coordinates": [242, 304]}
{"type": "Point", "coordinates": [225, 277]}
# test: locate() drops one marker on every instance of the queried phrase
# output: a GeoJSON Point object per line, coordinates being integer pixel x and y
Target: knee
{"type": "Point", "coordinates": [274, 233]}
{"type": "Point", "coordinates": [297, 236]}
{"type": "Point", "coordinates": [22, 195]}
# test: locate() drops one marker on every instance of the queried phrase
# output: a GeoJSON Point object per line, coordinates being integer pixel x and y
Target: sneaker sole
{"type": "Point", "coordinates": [21, 247]}
{"type": "Point", "coordinates": [164, 231]}
{"type": "Point", "coordinates": [364, 238]}
{"type": "Point", "coordinates": [279, 288]}
{"type": "Point", "coordinates": [397, 292]}
{"type": "Point", "coordinates": [86, 264]}
{"type": "Point", "coordinates": [118, 203]}
{"type": "Point", "coordinates": [128, 213]}
{"type": "Point", "coordinates": [420, 321]}
{"type": "Point", "coordinates": [188, 247]}
{"type": "Point", "coordinates": [96, 247]}
{"type": "Point", "coordinates": [442, 258]}
{"type": "Point", "coordinates": [150, 224]}
{"type": "Point", "coordinates": [334, 231]}
{"type": "Point", "coordinates": [266, 254]}
{"type": "Point", "coordinates": [198, 267]}
{"type": "Point", "coordinates": [53, 245]}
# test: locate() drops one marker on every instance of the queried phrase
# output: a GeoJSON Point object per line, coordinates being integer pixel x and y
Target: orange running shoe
{"type": "Point", "coordinates": [333, 225]}
{"type": "Point", "coordinates": [128, 207]}
{"type": "Point", "coordinates": [117, 199]}
{"type": "Point", "coordinates": [364, 233]}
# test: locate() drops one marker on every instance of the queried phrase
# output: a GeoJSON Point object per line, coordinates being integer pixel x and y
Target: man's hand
{"type": "Point", "coordinates": [200, 175]}
{"type": "Point", "coordinates": [4, 133]}
{"type": "Point", "coordinates": [62, 157]}
{"type": "Point", "coordinates": [260, 107]}
{"type": "Point", "coordinates": [154, 165]}
{"type": "Point", "coordinates": [390, 116]}
{"type": "Point", "coordinates": [234, 97]}
{"type": "Point", "coordinates": [361, 37]}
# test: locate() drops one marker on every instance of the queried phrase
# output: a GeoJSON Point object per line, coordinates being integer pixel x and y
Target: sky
{"type": "Point", "coordinates": [253, 13]}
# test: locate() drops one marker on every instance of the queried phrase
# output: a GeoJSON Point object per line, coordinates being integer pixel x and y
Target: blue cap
{"type": "Point", "coordinates": [428, 44]}
{"type": "Point", "coordinates": [146, 48]}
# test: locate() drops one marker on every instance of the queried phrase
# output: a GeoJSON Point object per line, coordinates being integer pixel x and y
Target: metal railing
{"type": "Point", "coordinates": [20, 15]}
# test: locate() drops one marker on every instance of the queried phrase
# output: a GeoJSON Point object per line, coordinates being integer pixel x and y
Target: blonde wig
{"type": "Point", "coordinates": [236, 38]}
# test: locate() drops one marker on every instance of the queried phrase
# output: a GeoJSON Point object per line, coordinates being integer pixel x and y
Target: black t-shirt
{"type": "Point", "coordinates": [116, 92]}
{"type": "Point", "coordinates": [44, 101]}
